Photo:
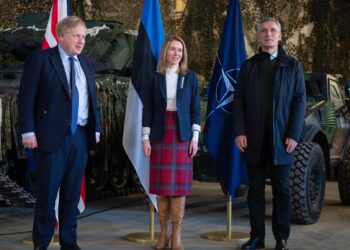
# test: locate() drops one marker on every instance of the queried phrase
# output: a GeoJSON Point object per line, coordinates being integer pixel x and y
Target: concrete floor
{"type": "Point", "coordinates": [105, 223]}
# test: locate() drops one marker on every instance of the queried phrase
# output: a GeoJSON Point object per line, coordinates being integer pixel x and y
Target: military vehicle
{"type": "Point", "coordinates": [110, 48]}
{"type": "Point", "coordinates": [322, 154]}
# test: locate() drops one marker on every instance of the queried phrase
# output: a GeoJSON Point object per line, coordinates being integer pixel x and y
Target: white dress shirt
{"type": "Point", "coordinates": [80, 79]}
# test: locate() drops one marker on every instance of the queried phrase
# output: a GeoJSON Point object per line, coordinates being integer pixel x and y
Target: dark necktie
{"type": "Point", "coordinates": [75, 97]}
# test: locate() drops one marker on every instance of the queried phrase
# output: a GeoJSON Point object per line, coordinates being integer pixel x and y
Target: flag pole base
{"type": "Point", "coordinates": [142, 237]}
{"type": "Point", "coordinates": [149, 237]}
{"type": "Point", "coordinates": [54, 242]}
{"type": "Point", "coordinates": [223, 236]}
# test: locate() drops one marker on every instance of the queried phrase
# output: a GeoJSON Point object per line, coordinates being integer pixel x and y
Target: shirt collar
{"type": "Point", "coordinates": [64, 55]}
{"type": "Point", "coordinates": [274, 55]}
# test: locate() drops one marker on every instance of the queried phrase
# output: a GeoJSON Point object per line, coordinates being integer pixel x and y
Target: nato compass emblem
{"type": "Point", "coordinates": [225, 88]}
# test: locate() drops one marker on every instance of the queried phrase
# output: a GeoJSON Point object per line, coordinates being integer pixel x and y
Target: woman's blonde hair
{"type": "Point", "coordinates": [162, 63]}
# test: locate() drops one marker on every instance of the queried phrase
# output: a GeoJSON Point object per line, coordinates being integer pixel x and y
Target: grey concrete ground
{"type": "Point", "coordinates": [105, 223]}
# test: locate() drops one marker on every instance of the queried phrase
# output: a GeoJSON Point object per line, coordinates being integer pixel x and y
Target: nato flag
{"type": "Point", "coordinates": [146, 54]}
{"type": "Point", "coordinates": [218, 131]}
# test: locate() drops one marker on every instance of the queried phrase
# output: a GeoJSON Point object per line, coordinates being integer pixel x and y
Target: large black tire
{"type": "Point", "coordinates": [119, 171]}
{"type": "Point", "coordinates": [344, 179]}
{"type": "Point", "coordinates": [307, 183]}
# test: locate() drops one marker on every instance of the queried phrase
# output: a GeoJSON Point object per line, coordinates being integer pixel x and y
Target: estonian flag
{"type": "Point", "coordinates": [146, 54]}
{"type": "Point", "coordinates": [218, 131]}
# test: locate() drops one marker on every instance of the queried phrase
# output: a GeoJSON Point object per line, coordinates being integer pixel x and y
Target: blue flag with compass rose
{"type": "Point", "coordinates": [218, 131]}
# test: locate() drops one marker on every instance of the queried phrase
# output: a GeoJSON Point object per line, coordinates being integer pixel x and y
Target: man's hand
{"type": "Point", "coordinates": [146, 148]}
{"type": "Point", "coordinates": [290, 145]}
{"type": "Point", "coordinates": [241, 142]}
{"type": "Point", "coordinates": [193, 149]}
{"type": "Point", "coordinates": [29, 142]}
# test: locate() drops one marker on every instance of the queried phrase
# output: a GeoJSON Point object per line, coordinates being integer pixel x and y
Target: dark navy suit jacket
{"type": "Point", "coordinates": [44, 99]}
{"type": "Point", "coordinates": [187, 102]}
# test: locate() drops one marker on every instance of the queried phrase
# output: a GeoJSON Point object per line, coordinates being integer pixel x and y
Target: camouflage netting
{"type": "Point", "coordinates": [7, 104]}
{"type": "Point", "coordinates": [111, 52]}
{"type": "Point", "coordinates": [315, 31]}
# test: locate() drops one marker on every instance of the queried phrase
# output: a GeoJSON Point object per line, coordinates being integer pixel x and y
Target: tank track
{"type": "Point", "coordinates": [111, 193]}
{"type": "Point", "coordinates": [11, 194]}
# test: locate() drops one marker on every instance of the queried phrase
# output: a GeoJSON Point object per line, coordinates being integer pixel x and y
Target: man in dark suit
{"type": "Point", "coordinates": [269, 109]}
{"type": "Point", "coordinates": [59, 120]}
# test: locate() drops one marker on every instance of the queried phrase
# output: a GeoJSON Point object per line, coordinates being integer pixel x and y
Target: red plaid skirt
{"type": "Point", "coordinates": [171, 167]}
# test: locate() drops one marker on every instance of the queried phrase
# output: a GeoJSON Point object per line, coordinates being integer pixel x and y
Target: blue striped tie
{"type": "Point", "coordinates": [75, 97]}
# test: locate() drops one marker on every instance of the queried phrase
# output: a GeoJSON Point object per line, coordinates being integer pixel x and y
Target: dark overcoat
{"type": "Point", "coordinates": [289, 106]}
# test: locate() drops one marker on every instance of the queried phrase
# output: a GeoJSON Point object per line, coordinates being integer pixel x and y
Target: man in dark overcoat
{"type": "Point", "coordinates": [269, 109]}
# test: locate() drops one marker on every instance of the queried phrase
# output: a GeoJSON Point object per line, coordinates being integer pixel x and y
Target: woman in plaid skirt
{"type": "Point", "coordinates": [170, 131]}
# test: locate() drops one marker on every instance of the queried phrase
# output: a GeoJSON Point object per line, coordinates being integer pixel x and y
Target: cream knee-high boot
{"type": "Point", "coordinates": [163, 203]}
{"type": "Point", "coordinates": [177, 205]}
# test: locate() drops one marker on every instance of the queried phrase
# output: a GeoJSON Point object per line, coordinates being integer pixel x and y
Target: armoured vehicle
{"type": "Point", "coordinates": [110, 48]}
{"type": "Point", "coordinates": [322, 154]}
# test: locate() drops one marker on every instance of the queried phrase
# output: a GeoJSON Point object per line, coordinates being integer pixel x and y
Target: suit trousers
{"type": "Point", "coordinates": [281, 214]}
{"type": "Point", "coordinates": [61, 171]}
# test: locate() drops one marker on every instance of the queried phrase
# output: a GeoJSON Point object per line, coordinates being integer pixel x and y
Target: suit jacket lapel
{"type": "Point", "coordinates": [58, 65]}
{"type": "Point", "coordinates": [162, 86]}
{"type": "Point", "coordinates": [180, 85]}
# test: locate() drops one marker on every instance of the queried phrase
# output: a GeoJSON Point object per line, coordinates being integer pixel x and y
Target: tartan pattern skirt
{"type": "Point", "coordinates": [170, 165]}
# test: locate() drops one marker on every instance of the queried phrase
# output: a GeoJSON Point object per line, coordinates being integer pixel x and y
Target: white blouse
{"type": "Point", "coordinates": [171, 78]}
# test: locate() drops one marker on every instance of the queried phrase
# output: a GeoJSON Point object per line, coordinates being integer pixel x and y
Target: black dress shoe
{"type": "Point", "coordinates": [75, 247]}
{"type": "Point", "coordinates": [40, 248]}
{"type": "Point", "coordinates": [281, 245]}
{"type": "Point", "coordinates": [254, 243]}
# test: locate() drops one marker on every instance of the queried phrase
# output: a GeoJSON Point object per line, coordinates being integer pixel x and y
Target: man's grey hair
{"type": "Point", "coordinates": [269, 19]}
{"type": "Point", "coordinates": [69, 23]}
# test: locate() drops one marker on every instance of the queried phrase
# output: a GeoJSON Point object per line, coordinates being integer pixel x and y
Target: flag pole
{"type": "Point", "coordinates": [151, 224]}
{"type": "Point", "coordinates": [146, 54]}
{"type": "Point", "coordinates": [229, 215]}
{"type": "Point", "coordinates": [145, 237]}
{"type": "Point", "coordinates": [227, 235]}
{"type": "Point", "coordinates": [218, 134]}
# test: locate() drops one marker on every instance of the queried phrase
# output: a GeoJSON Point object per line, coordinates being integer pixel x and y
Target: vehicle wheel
{"type": "Point", "coordinates": [96, 173]}
{"type": "Point", "coordinates": [307, 183]}
{"type": "Point", "coordinates": [344, 179]}
{"type": "Point", "coordinates": [120, 171]}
